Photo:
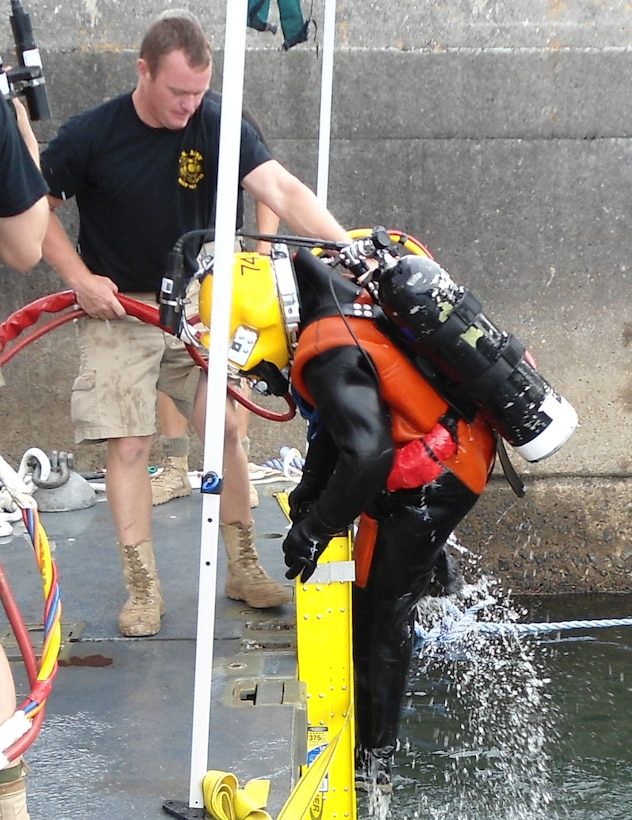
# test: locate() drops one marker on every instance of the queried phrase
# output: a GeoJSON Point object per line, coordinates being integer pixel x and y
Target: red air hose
{"type": "Point", "coordinates": [26, 317]}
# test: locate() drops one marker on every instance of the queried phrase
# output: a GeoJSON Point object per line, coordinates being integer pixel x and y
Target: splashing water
{"type": "Point", "coordinates": [477, 722]}
{"type": "Point", "coordinates": [378, 804]}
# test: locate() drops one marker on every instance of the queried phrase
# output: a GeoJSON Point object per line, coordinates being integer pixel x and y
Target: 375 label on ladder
{"type": "Point", "coordinates": [317, 740]}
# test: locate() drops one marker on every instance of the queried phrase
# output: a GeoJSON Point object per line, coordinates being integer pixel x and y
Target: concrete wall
{"type": "Point", "coordinates": [498, 134]}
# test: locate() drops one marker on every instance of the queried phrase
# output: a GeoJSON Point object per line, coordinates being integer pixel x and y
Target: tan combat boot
{"type": "Point", "coordinates": [140, 616]}
{"type": "Point", "coordinates": [173, 481]}
{"type": "Point", "coordinates": [246, 580]}
{"type": "Point", "coordinates": [13, 793]}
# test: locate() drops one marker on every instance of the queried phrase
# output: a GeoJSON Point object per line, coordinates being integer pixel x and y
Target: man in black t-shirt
{"type": "Point", "coordinates": [143, 169]}
{"type": "Point", "coordinates": [174, 412]}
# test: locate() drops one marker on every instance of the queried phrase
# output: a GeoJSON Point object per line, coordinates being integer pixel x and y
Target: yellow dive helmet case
{"type": "Point", "coordinates": [264, 315]}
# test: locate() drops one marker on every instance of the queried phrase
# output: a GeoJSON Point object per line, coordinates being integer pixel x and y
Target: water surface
{"type": "Point", "coordinates": [510, 727]}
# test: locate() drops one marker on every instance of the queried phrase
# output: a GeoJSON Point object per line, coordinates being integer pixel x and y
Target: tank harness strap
{"type": "Point", "coordinates": [363, 548]}
{"type": "Point", "coordinates": [462, 317]}
{"type": "Point", "coordinates": [515, 482]}
{"type": "Point", "coordinates": [508, 359]}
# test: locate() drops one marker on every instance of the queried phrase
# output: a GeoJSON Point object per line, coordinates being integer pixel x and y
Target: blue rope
{"type": "Point", "coordinates": [273, 464]}
{"type": "Point", "coordinates": [297, 462]}
{"type": "Point", "coordinates": [457, 624]}
{"type": "Point", "coordinates": [553, 626]}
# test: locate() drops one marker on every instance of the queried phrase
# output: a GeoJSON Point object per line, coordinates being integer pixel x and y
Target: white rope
{"type": "Point", "coordinates": [17, 487]}
{"type": "Point", "coordinates": [456, 625]}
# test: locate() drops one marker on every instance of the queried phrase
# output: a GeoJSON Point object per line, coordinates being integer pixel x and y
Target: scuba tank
{"type": "Point", "coordinates": [469, 360]}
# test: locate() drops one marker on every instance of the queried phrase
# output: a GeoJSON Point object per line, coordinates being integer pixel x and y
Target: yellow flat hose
{"type": "Point", "coordinates": [224, 800]}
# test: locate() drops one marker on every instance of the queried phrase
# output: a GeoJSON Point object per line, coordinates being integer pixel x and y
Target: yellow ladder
{"type": "Point", "coordinates": [325, 666]}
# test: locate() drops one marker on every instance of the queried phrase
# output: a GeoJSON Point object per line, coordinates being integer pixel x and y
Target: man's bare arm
{"type": "Point", "coordinates": [293, 201]}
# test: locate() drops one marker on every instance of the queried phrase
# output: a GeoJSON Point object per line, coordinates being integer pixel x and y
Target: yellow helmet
{"type": "Point", "coordinates": [264, 312]}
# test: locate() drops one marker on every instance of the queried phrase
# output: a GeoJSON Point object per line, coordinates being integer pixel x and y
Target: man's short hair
{"type": "Point", "coordinates": [175, 30]}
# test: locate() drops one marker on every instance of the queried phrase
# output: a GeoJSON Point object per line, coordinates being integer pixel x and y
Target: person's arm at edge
{"type": "Point", "coordinates": [21, 235]}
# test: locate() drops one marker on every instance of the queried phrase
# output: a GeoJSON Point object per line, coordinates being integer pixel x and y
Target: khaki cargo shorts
{"type": "Point", "coordinates": [122, 364]}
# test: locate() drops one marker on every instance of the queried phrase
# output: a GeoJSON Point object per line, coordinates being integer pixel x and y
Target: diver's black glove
{"type": "Point", "coordinates": [304, 544]}
{"type": "Point", "coordinates": [305, 494]}
{"type": "Point", "coordinates": [300, 504]}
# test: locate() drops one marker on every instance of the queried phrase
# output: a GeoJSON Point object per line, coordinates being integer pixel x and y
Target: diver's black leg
{"type": "Point", "coordinates": [410, 539]}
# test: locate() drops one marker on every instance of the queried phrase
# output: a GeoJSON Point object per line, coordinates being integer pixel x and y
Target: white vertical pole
{"type": "Point", "coordinates": [326, 93]}
{"type": "Point", "coordinates": [228, 174]}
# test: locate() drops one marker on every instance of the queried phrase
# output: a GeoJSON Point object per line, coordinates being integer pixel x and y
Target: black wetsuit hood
{"type": "Point", "coordinates": [322, 291]}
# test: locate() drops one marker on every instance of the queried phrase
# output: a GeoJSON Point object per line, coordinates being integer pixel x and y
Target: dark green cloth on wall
{"type": "Point", "coordinates": [293, 24]}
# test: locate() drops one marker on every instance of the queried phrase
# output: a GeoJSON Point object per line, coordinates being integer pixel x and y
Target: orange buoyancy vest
{"type": "Point", "coordinates": [414, 405]}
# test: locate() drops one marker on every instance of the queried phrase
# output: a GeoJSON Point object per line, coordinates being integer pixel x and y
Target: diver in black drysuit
{"type": "Point", "coordinates": [350, 456]}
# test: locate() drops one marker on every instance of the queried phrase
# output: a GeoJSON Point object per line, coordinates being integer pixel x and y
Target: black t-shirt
{"type": "Point", "coordinates": [139, 188]}
{"type": "Point", "coordinates": [250, 118]}
{"type": "Point", "coordinates": [22, 184]}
